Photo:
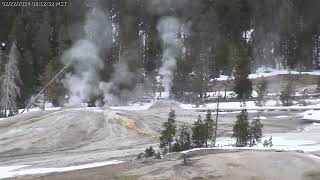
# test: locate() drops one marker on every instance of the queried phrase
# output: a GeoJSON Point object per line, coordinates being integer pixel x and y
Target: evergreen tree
{"type": "Point", "coordinates": [217, 40]}
{"type": "Point", "coordinates": [256, 131]}
{"type": "Point", "coordinates": [209, 126]}
{"type": "Point", "coordinates": [54, 92]}
{"type": "Point", "coordinates": [184, 140]}
{"type": "Point", "coordinates": [242, 84]}
{"type": "Point", "coordinates": [261, 90]}
{"type": "Point", "coordinates": [3, 58]}
{"type": "Point", "coordinates": [149, 152]}
{"type": "Point", "coordinates": [241, 129]}
{"type": "Point", "coordinates": [198, 133]}
{"type": "Point", "coordinates": [287, 95]}
{"type": "Point", "coordinates": [10, 81]}
{"type": "Point", "coordinates": [168, 132]}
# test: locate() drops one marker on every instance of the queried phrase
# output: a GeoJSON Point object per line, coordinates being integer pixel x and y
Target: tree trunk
{"type": "Point", "coordinates": [44, 100]}
{"type": "Point", "coordinates": [217, 117]}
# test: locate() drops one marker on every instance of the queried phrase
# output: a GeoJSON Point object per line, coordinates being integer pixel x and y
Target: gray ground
{"type": "Point", "coordinates": [76, 136]}
{"type": "Point", "coordinates": [255, 165]}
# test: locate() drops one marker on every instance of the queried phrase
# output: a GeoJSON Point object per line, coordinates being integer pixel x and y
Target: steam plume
{"type": "Point", "coordinates": [84, 58]}
{"type": "Point", "coordinates": [169, 28]}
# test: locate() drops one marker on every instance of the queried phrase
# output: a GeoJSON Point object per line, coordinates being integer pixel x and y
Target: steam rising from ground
{"type": "Point", "coordinates": [111, 90]}
{"type": "Point", "coordinates": [169, 29]}
{"type": "Point", "coordinates": [84, 58]}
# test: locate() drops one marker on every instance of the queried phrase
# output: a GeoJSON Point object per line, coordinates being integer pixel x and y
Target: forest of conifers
{"type": "Point", "coordinates": [215, 35]}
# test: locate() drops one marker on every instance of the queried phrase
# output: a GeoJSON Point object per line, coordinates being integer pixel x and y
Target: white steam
{"type": "Point", "coordinates": [83, 82]}
{"type": "Point", "coordinates": [169, 29]}
{"type": "Point", "coordinates": [112, 90]}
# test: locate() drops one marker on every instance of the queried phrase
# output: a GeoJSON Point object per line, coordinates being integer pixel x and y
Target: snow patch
{"type": "Point", "coordinates": [279, 143]}
{"type": "Point", "coordinates": [266, 72]}
{"type": "Point", "coordinates": [20, 170]}
{"type": "Point", "coordinates": [281, 117]}
{"type": "Point", "coordinates": [311, 115]}
{"type": "Point", "coordinates": [133, 107]}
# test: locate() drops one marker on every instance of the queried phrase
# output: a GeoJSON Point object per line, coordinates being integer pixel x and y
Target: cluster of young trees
{"type": "Point", "coordinates": [222, 37]}
{"type": "Point", "coordinates": [246, 133]}
{"type": "Point", "coordinates": [202, 132]}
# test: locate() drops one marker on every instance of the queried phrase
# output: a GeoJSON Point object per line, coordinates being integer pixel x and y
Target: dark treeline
{"type": "Point", "coordinates": [220, 33]}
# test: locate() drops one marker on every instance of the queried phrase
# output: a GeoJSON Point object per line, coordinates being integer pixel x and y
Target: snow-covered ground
{"type": "Point", "coordinates": [266, 72]}
{"type": "Point", "coordinates": [130, 107]}
{"type": "Point", "coordinates": [20, 170]}
{"type": "Point", "coordinates": [249, 105]}
{"type": "Point", "coordinates": [312, 115]}
{"type": "Point", "coordinates": [305, 140]}
{"type": "Point", "coordinates": [133, 107]}
{"type": "Point", "coordinates": [38, 109]}
{"type": "Point", "coordinates": [273, 72]}
{"type": "Point", "coordinates": [228, 94]}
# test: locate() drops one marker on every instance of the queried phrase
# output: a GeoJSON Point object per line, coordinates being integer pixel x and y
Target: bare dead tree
{"type": "Point", "coordinates": [10, 81]}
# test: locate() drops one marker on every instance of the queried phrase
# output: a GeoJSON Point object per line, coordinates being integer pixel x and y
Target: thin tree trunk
{"type": "Point", "coordinates": [217, 117]}
{"type": "Point", "coordinates": [7, 99]}
{"type": "Point", "coordinates": [317, 52]}
{"type": "Point", "coordinates": [51, 81]}
{"type": "Point", "coordinates": [44, 100]}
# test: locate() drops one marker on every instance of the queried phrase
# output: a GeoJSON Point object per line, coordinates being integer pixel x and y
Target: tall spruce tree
{"type": "Point", "coordinates": [184, 140]}
{"type": "Point", "coordinates": [241, 129]}
{"type": "Point", "coordinates": [168, 132]}
{"type": "Point", "coordinates": [288, 94]}
{"type": "Point", "coordinates": [54, 92]}
{"type": "Point", "coordinates": [242, 84]}
{"type": "Point", "coordinates": [198, 133]}
{"type": "Point", "coordinates": [261, 90]}
{"type": "Point", "coordinates": [256, 131]}
{"type": "Point", "coordinates": [209, 127]}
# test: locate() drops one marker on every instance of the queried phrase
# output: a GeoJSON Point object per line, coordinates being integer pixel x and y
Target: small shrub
{"type": "Point", "coordinates": [268, 143]}
{"type": "Point", "coordinates": [149, 152]}
{"type": "Point", "coordinates": [140, 156]}
{"type": "Point", "coordinates": [158, 155]}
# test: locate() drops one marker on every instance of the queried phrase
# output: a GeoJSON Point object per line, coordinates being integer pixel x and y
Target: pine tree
{"type": "Point", "coordinates": [198, 133]}
{"type": "Point", "coordinates": [184, 140]}
{"type": "Point", "coordinates": [168, 132]}
{"type": "Point", "coordinates": [241, 129]}
{"type": "Point", "coordinates": [3, 57]}
{"type": "Point", "coordinates": [242, 84]}
{"type": "Point", "coordinates": [10, 81]}
{"type": "Point", "coordinates": [261, 89]}
{"type": "Point", "coordinates": [55, 90]}
{"type": "Point", "coordinates": [149, 152]}
{"type": "Point", "coordinates": [256, 131]}
{"type": "Point", "coordinates": [287, 95]}
{"type": "Point", "coordinates": [209, 126]}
